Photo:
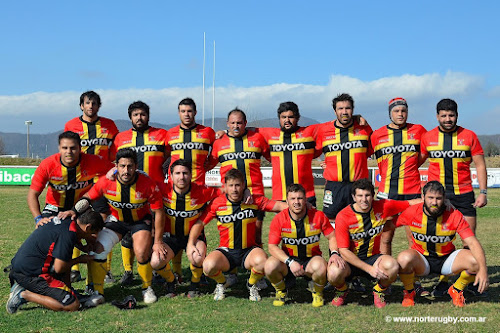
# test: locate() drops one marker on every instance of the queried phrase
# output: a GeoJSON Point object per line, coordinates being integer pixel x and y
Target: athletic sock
{"type": "Point", "coordinates": [280, 286]}
{"type": "Point", "coordinates": [255, 276]}
{"type": "Point", "coordinates": [408, 280]}
{"type": "Point", "coordinates": [127, 258]}
{"type": "Point", "coordinates": [444, 278]}
{"type": "Point", "coordinates": [318, 288]}
{"type": "Point", "coordinates": [76, 254]}
{"type": "Point", "coordinates": [342, 288]}
{"type": "Point", "coordinates": [177, 263]}
{"type": "Point", "coordinates": [146, 273]}
{"type": "Point", "coordinates": [218, 277]}
{"type": "Point", "coordinates": [379, 288]}
{"type": "Point", "coordinates": [97, 271]}
{"type": "Point", "coordinates": [463, 280]}
{"type": "Point", "coordinates": [196, 273]}
{"type": "Point", "coordinates": [166, 273]}
{"type": "Point", "coordinates": [108, 260]}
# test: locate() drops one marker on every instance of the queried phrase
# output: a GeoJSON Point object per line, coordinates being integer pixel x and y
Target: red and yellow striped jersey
{"type": "Point", "coordinates": [192, 144]}
{"type": "Point", "coordinates": [129, 203]}
{"type": "Point", "coordinates": [434, 236]}
{"type": "Point", "coordinates": [150, 147]}
{"type": "Point", "coordinates": [291, 158]}
{"type": "Point", "coordinates": [242, 153]}
{"type": "Point", "coordinates": [184, 210]}
{"type": "Point", "coordinates": [299, 238]}
{"type": "Point", "coordinates": [67, 184]}
{"type": "Point", "coordinates": [361, 232]}
{"type": "Point", "coordinates": [346, 151]}
{"type": "Point", "coordinates": [397, 152]}
{"type": "Point", "coordinates": [96, 137]}
{"type": "Point", "coordinates": [236, 220]}
{"type": "Point", "coordinates": [450, 155]}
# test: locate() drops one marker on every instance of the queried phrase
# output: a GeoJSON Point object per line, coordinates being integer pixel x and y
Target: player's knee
{"type": "Point", "coordinates": [127, 241]}
{"type": "Point", "coordinates": [405, 260]}
{"type": "Point", "coordinates": [335, 274]}
{"type": "Point", "coordinates": [107, 238]}
{"type": "Point", "coordinates": [75, 306]}
{"type": "Point", "coordinates": [271, 266]}
{"type": "Point", "coordinates": [209, 266]}
{"type": "Point", "coordinates": [474, 265]}
{"type": "Point", "coordinates": [142, 255]}
{"type": "Point", "coordinates": [390, 265]}
{"type": "Point", "coordinates": [156, 262]}
{"type": "Point", "coordinates": [318, 266]}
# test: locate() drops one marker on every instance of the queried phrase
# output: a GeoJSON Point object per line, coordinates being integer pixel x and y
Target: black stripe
{"type": "Point", "coordinates": [126, 212]}
{"type": "Point", "coordinates": [92, 132]}
{"type": "Point", "coordinates": [288, 160]}
{"type": "Point", "coordinates": [367, 225]}
{"type": "Point", "coordinates": [344, 160]}
{"type": "Point", "coordinates": [69, 199]}
{"type": "Point", "coordinates": [238, 146]}
{"type": "Point", "coordinates": [431, 231]}
{"type": "Point", "coordinates": [301, 234]}
{"type": "Point", "coordinates": [237, 228]}
{"type": "Point", "coordinates": [139, 141]}
{"type": "Point", "coordinates": [396, 163]}
{"type": "Point", "coordinates": [187, 138]}
{"type": "Point", "coordinates": [180, 205]}
{"type": "Point", "coordinates": [448, 163]}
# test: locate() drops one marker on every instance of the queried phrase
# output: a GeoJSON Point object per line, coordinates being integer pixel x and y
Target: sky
{"type": "Point", "coordinates": [267, 52]}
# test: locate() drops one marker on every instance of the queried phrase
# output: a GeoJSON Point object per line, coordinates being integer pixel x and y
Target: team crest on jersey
{"type": "Point", "coordinates": [328, 198]}
{"type": "Point", "coordinates": [193, 202]}
{"type": "Point", "coordinates": [251, 144]}
{"type": "Point", "coordinates": [138, 195]}
{"type": "Point", "coordinates": [356, 131]}
{"type": "Point", "coordinates": [199, 135]}
{"type": "Point", "coordinates": [378, 216]}
{"type": "Point", "coordinates": [411, 136]}
{"type": "Point", "coordinates": [104, 130]}
{"type": "Point", "coordinates": [299, 135]}
{"type": "Point", "coordinates": [461, 142]}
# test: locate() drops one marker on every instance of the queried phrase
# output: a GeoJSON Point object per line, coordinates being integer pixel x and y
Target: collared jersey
{"type": "Point", "coordinates": [299, 238]}
{"type": "Point", "coordinates": [191, 144]}
{"type": "Point", "coordinates": [361, 232]}
{"type": "Point", "coordinates": [433, 236]}
{"type": "Point", "coordinates": [291, 158]}
{"type": "Point", "coordinates": [128, 203]}
{"type": "Point", "coordinates": [450, 155]}
{"type": "Point", "coordinates": [236, 220]}
{"type": "Point", "coordinates": [346, 151]}
{"type": "Point", "coordinates": [242, 153]}
{"type": "Point", "coordinates": [95, 137]}
{"type": "Point", "coordinates": [184, 210]}
{"type": "Point", "coordinates": [150, 147]}
{"type": "Point", "coordinates": [397, 152]}
{"type": "Point", "coordinates": [67, 184]}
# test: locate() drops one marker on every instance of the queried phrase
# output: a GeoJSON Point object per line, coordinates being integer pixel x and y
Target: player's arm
{"type": "Point", "coordinates": [194, 233]}
{"type": "Point", "coordinates": [278, 206]}
{"type": "Point", "coordinates": [295, 267]}
{"type": "Point", "coordinates": [33, 203]}
{"type": "Point", "coordinates": [482, 179]}
{"type": "Point", "coordinates": [475, 247]}
{"type": "Point", "coordinates": [335, 258]}
{"type": "Point", "coordinates": [159, 246]}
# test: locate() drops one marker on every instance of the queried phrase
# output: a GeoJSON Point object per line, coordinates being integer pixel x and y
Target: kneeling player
{"type": "Point", "coordinates": [236, 223]}
{"type": "Point", "coordinates": [41, 268]}
{"type": "Point", "coordinates": [433, 227]}
{"type": "Point", "coordinates": [298, 229]}
{"type": "Point", "coordinates": [358, 230]}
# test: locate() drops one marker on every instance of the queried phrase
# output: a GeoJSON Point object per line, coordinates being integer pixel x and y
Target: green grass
{"type": "Point", "coordinates": [236, 312]}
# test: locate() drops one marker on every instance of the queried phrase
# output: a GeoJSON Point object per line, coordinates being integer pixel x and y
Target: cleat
{"type": "Point", "coordinates": [76, 276]}
{"type": "Point", "coordinates": [148, 295]}
{"type": "Point", "coordinates": [318, 300]}
{"type": "Point", "coordinates": [472, 289]}
{"type": "Point", "coordinates": [178, 279]}
{"type": "Point", "coordinates": [440, 289]}
{"type": "Point", "coordinates": [127, 278]}
{"type": "Point", "coordinates": [379, 299]}
{"type": "Point", "coordinates": [357, 285]}
{"type": "Point", "coordinates": [128, 303]}
{"type": "Point", "coordinates": [388, 291]}
{"type": "Point", "coordinates": [15, 299]}
{"type": "Point", "coordinates": [194, 290]}
{"type": "Point", "coordinates": [421, 291]}
{"type": "Point", "coordinates": [408, 298]}
{"type": "Point", "coordinates": [457, 297]}
{"type": "Point", "coordinates": [262, 284]}
{"type": "Point", "coordinates": [93, 300]}
{"type": "Point", "coordinates": [219, 292]}
{"type": "Point", "coordinates": [280, 299]}
{"type": "Point", "coordinates": [254, 293]}
{"type": "Point", "coordinates": [340, 297]}
{"type": "Point", "coordinates": [231, 280]}
{"type": "Point", "coordinates": [170, 289]}
{"type": "Point", "coordinates": [89, 289]}
{"type": "Point", "coordinates": [109, 278]}
{"type": "Point", "coordinates": [158, 279]}
{"type": "Point", "coordinates": [203, 281]}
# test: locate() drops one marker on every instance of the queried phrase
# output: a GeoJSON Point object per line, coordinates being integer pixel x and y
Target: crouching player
{"type": "Point", "coordinates": [184, 202]}
{"type": "Point", "coordinates": [41, 268]}
{"type": "Point", "coordinates": [358, 230]}
{"type": "Point", "coordinates": [433, 227]}
{"type": "Point", "coordinates": [236, 222]}
{"type": "Point", "coordinates": [298, 228]}
{"type": "Point", "coordinates": [132, 196]}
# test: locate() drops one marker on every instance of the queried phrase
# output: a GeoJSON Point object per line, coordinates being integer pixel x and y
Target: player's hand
{"type": "Point", "coordinates": [323, 164]}
{"type": "Point", "coordinates": [337, 261]}
{"type": "Point", "coordinates": [111, 174]}
{"type": "Point", "coordinates": [66, 214]}
{"type": "Point", "coordinates": [377, 273]}
{"type": "Point", "coordinates": [247, 197]}
{"type": "Point", "coordinates": [481, 201]}
{"type": "Point", "coordinates": [219, 134]}
{"type": "Point", "coordinates": [482, 282]}
{"type": "Point", "coordinates": [297, 269]}
{"type": "Point", "coordinates": [161, 249]}
{"type": "Point", "coordinates": [43, 221]}
{"type": "Point", "coordinates": [192, 252]}
{"type": "Point", "coordinates": [361, 121]}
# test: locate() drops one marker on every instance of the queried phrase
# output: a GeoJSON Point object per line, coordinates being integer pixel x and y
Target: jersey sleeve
{"type": "Point", "coordinates": [394, 207]}
{"type": "Point", "coordinates": [342, 230]}
{"type": "Point", "coordinates": [463, 227]}
{"type": "Point", "coordinates": [40, 177]}
{"type": "Point", "coordinates": [264, 203]}
{"type": "Point", "coordinates": [210, 212]}
{"type": "Point", "coordinates": [423, 144]}
{"type": "Point", "coordinates": [155, 199]}
{"type": "Point", "coordinates": [63, 248]}
{"type": "Point", "coordinates": [326, 226]}
{"type": "Point", "coordinates": [275, 230]}
{"type": "Point", "coordinates": [404, 218]}
{"type": "Point", "coordinates": [96, 191]}
{"type": "Point", "coordinates": [476, 148]}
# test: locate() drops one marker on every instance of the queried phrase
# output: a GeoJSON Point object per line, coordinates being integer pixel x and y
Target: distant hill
{"type": "Point", "coordinates": [43, 145]}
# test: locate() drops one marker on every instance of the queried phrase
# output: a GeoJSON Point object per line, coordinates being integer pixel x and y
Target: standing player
{"type": "Point", "coordinates": [236, 222]}
{"type": "Point", "coordinates": [433, 227]}
{"type": "Point", "coordinates": [96, 136]}
{"type": "Point", "coordinates": [298, 229]}
{"type": "Point", "coordinates": [451, 149]}
{"type": "Point", "coordinates": [358, 230]}
{"type": "Point", "coordinates": [150, 144]}
{"type": "Point", "coordinates": [40, 268]}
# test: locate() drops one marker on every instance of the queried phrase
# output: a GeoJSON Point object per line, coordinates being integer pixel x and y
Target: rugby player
{"type": "Point", "coordinates": [434, 226]}
{"type": "Point", "coordinates": [358, 230]}
{"type": "Point", "coordinates": [131, 197]}
{"type": "Point", "coordinates": [41, 267]}
{"type": "Point", "coordinates": [298, 229]}
{"type": "Point", "coordinates": [96, 136]}
{"type": "Point", "coordinates": [184, 202]}
{"type": "Point", "coordinates": [238, 246]}
{"type": "Point", "coordinates": [451, 149]}
{"type": "Point", "coordinates": [150, 144]}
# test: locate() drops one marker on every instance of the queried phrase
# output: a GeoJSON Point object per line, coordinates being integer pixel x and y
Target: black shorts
{"type": "Point", "coordinates": [463, 202]}
{"type": "Point", "coordinates": [436, 263]}
{"type": "Point", "coordinates": [45, 285]}
{"type": "Point", "coordinates": [312, 201]}
{"type": "Point", "coordinates": [304, 262]}
{"type": "Point", "coordinates": [236, 257]}
{"type": "Point", "coordinates": [123, 227]}
{"type": "Point", "coordinates": [400, 197]}
{"type": "Point", "coordinates": [177, 244]}
{"type": "Point", "coordinates": [101, 206]}
{"type": "Point", "coordinates": [355, 271]}
{"type": "Point", "coordinates": [260, 215]}
{"type": "Point", "coordinates": [337, 196]}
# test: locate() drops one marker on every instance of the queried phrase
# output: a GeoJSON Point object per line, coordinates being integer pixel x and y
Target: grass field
{"type": "Point", "coordinates": [236, 312]}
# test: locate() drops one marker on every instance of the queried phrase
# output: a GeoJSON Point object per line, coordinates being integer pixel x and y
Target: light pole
{"type": "Point", "coordinates": [28, 123]}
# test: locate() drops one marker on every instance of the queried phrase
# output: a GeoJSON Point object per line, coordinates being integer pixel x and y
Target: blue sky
{"type": "Point", "coordinates": [267, 52]}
